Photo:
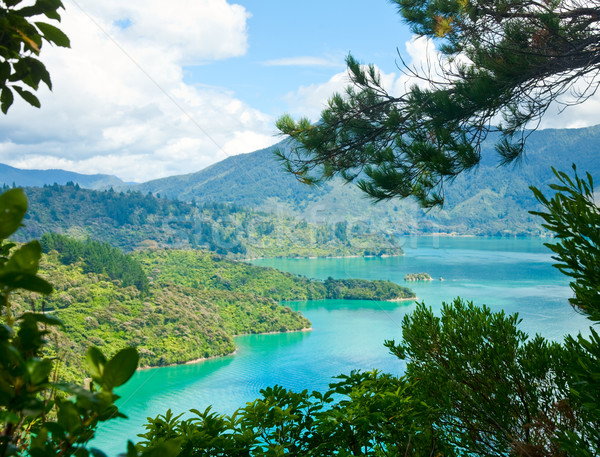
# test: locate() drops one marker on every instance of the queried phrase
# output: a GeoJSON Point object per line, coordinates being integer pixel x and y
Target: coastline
{"type": "Point", "coordinates": [402, 299]}
{"type": "Point", "coordinates": [354, 256]}
{"type": "Point", "coordinates": [204, 359]}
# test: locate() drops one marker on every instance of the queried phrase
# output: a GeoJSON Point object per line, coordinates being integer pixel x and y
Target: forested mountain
{"type": "Point", "coordinates": [23, 178]}
{"type": "Point", "coordinates": [493, 200]}
{"type": "Point", "coordinates": [131, 220]}
{"type": "Point", "coordinates": [490, 201]}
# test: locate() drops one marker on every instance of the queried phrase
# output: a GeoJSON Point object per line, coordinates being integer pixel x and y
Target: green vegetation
{"type": "Point", "coordinates": [418, 277]}
{"type": "Point", "coordinates": [204, 270]}
{"type": "Point", "coordinates": [39, 416]}
{"type": "Point", "coordinates": [21, 38]}
{"type": "Point", "coordinates": [97, 257]}
{"type": "Point", "coordinates": [474, 384]}
{"type": "Point", "coordinates": [361, 289]}
{"type": "Point", "coordinates": [130, 220]}
{"type": "Point", "coordinates": [173, 306]}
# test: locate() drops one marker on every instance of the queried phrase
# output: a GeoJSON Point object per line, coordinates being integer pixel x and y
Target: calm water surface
{"type": "Point", "coordinates": [514, 275]}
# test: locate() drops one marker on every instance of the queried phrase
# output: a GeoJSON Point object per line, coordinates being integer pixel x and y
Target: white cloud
{"type": "Point", "coordinates": [124, 108]}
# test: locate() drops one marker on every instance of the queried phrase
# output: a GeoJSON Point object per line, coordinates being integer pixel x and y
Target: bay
{"type": "Point", "coordinates": [515, 275]}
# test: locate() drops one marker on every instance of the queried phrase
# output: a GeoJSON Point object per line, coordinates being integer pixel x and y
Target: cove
{"type": "Point", "coordinates": [511, 274]}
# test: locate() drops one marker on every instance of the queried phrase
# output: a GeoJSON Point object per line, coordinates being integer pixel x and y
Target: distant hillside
{"type": "Point", "coordinates": [39, 178]}
{"type": "Point", "coordinates": [491, 200]}
{"type": "Point", "coordinates": [131, 220]}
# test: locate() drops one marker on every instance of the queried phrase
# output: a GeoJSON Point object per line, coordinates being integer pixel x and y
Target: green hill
{"type": "Point", "coordinates": [190, 305]}
{"type": "Point", "coordinates": [491, 200]}
{"type": "Point", "coordinates": [132, 220]}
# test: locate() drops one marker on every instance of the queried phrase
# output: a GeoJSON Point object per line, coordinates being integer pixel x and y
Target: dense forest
{"type": "Point", "coordinates": [132, 220]}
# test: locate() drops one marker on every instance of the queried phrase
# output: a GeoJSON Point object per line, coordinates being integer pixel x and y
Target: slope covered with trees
{"type": "Point", "coordinates": [490, 200]}
{"type": "Point", "coordinates": [173, 306]}
{"type": "Point", "coordinates": [131, 220]}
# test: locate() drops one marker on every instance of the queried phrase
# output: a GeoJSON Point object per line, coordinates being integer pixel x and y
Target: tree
{"type": "Point", "coordinates": [21, 39]}
{"type": "Point", "coordinates": [505, 60]}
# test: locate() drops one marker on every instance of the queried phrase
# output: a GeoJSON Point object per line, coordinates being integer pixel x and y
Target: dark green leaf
{"type": "Point", "coordinates": [33, 283]}
{"type": "Point", "coordinates": [28, 96]}
{"type": "Point", "coordinates": [39, 370]}
{"type": "Point", "coordinates": [45, 319]}
{"type": "Point", "coordinates": [6, 99]}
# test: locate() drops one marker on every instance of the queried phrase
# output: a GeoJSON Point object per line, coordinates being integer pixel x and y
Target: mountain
{"type": "Point", "coordinates": [490, 200]}
{"type": "Point", "coordinates": [38, 178]}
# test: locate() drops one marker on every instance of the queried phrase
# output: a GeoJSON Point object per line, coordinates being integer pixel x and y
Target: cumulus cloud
{"type": "Point", "coordinates": [120, 104]}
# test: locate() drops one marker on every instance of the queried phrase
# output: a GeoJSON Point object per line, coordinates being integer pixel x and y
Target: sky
{"type": "Point", "coordinates": [151, 89]}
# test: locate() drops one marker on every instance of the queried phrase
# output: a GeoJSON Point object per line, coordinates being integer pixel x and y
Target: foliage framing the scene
{"type": "Point", "coordinates": [21, 39]}
{"type": "Point", "coordinates": [507, 60]}
{"type": "Point", "coordinates": [40, 416]}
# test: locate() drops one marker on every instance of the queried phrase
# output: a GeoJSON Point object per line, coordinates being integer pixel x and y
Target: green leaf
{"type": "Point", "coordinates": [120, 368]}
{"type": "Point", "coordinates": [13, 206]}
{"type": "Point", "coordinates": [26, 259]}
{"type": "Point", "coordinates": [6, 99]}
{"type": "Point", "coordinates": [95, 362]}
{"type": "Point", "coordinates": [33, 283]}
{"type": "Point", "coordinates": [4, 72]}
{"type": "Point", "coordinates": [54, 34]}
{"type": "Point", "coordinates": [28, 96]}
{"type": "Point", "coordinates": [39, 370]}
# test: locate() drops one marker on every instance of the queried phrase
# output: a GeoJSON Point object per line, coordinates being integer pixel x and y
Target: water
{"type": "Point", "coordinates": [515, 275]}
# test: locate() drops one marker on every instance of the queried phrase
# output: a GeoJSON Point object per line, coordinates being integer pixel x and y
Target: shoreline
{"type": "Point", "coordinates": [402, 299]}
{"type": "Point", "coordinates": [204, 359]}
{"type": "Point", "coordinates": [324, 257]}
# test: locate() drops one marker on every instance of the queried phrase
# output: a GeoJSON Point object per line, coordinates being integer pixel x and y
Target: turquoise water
{"type": "Point", "coordinates": [515, 275]}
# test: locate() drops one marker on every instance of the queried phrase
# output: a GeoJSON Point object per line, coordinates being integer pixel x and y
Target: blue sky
{"type": "Point", "coordinates": [152, 88]}
{"type": "Point", "coordinates": [284, 34]}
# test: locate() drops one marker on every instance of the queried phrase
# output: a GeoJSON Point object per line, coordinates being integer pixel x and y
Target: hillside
{"type": "Point", "coordinates": [190, 307]}
{"type": "Point", "coordinates": [132, 220]}
{"type": "Point", "coordinates": [491, 200]}
{"type": "Point", "coordinates": [39, 178]}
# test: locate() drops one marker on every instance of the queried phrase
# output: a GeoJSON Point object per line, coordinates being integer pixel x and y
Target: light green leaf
{"type": "Point", "coordinates": [95, 362]}
{"type": "Point", "coordinates": [120, 368]}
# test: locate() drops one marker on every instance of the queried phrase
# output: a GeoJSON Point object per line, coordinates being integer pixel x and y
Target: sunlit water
{"type": "Point", "coordinates": [515, 275]}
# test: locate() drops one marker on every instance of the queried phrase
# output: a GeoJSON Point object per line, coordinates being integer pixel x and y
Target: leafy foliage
{"type": "Point", "coordinates": [572, 214]}
{"type": "Point", "coordinates": [498, 60]}
{"type": "Point", "coordinates": [21, 39]}
{"type": "Point", "coordinates": [39, 416]}
{"type": "Point", "coordinates": [362, 414]}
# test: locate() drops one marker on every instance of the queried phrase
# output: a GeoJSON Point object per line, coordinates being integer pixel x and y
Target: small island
{"type": "Point", "coordinates": [362, 289]}
{"type": "Point", "coordinates": [418, 277]}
